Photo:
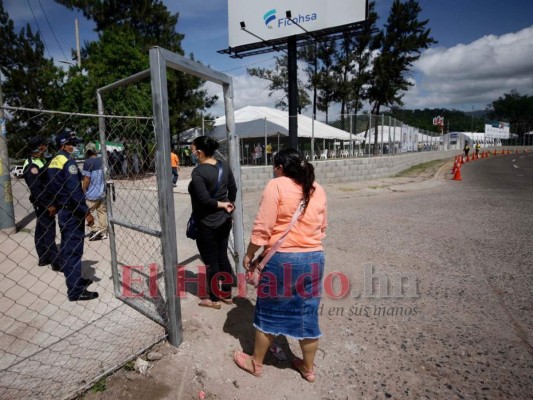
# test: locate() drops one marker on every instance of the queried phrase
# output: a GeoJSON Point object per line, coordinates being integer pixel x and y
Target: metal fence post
{"type": "Point", "coordinates": [158, 75]}
{"type": "Point", "coordinates": [7, 212]}
{"type": "Point", "coordinates": [369, 131]}
{"type": "Point", "coordinates": [235, 165]}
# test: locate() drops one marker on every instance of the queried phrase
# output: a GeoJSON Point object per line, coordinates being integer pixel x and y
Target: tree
{"type": "Point", "coordinates": [514, 108]}
{"type": "Point", "coordinates": [279, 81]}
{"type": "Point", "coordinates": [400, 43]}
{"type": "Point", "coordinates": [352, 65]}
{"type": "Point", "coordinates": [319, 59]}
{"type": "Point", "coordinates": [128, 28]}
{"type": "Point", "coordinates": [30, 80]}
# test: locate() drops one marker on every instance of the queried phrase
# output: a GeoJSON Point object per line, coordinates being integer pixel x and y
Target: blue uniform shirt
{"type": "Point", "coordinates": [65, 181]}
{"type": "Point", "coordinates": [94, 170]}
{"type": "Point", "coordinates": [36, 178]}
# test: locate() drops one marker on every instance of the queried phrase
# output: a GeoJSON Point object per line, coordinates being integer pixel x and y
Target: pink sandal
{"type": "Point", "coordinates": [309, 376]}
{"type": "Point", "coordinates": [240, 359]}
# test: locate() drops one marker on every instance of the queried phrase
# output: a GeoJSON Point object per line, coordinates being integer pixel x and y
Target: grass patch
{"type": "Point", "coordinates": [417, 169]}
{"type": "Point", "coordinates": [99, 386]}
{"type": "Point", "coordinates": [130, 366]}
{"type": "Point", "coordinates": [378, 187]}
{"type": "Point", "coordinates": [26, 230]}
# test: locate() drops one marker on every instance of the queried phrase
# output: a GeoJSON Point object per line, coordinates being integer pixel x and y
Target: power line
{"type": "Point", "coordinates": [39, 29]}
{"type": "Point", "coordinates": [249, 65]}
{"type": "Point", "coordinates": [53, 33]}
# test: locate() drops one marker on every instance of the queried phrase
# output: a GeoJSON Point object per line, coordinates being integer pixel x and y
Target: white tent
{"type": "Point", "coordinates": [256, 122]}
{"type": "Point", "coordinates": [384, 132]}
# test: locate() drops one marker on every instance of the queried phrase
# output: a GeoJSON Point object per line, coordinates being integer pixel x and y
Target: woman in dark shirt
{"type": "Point", "coordinates": [212, 204]}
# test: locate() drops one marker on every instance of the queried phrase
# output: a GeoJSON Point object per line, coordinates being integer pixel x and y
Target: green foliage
{"type": "Point", "coordinates": [30, 80]}
{"type": "Point", "coordinates": [352, 66]}
{"type": "Point", "coordinates": [99, 386]}
{"type": "Point", "coordinates": [515, 109]}
{"type": "Point", "coordinates": [127, 30]}
{"type": "Point", "coordinates": [400, 44]}
{"type": "Point", "coordinates": [454, 120]}
{"type": "Point", "coordinates": [279, 81]}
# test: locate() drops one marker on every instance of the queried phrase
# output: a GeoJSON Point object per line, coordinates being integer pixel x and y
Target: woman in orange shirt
{"type": "Point", "coordinates": [289, 290]}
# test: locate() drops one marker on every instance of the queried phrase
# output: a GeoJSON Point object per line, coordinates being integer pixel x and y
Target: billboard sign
{"type": "Point", "coordinates": [497, 130]}
{"type": "Point", "coordinates": [266, 20]}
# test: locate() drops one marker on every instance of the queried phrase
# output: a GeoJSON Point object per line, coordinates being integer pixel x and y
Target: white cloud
{"type": "Point", "coordinates": [478, 72]}
{"type": "Point", "coordinates": [247, 90]}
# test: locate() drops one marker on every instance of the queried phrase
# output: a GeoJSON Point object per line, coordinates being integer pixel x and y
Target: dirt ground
{"type": "Point", "coordinates": [434, 310]}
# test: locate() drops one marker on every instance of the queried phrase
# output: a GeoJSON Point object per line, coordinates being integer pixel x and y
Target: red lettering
{"type": "Point", "coordinates": [198, 280]}
{"type": "Point", "coordinates": [313, 284]}
{"type": "Point", "coordinates": [269, 288]}
{"type": "Point", "coordinates": [153, 280]}
{"type": "Point", "coordinates": [219, 279]}
{"type": "Point", "coordinates": [344, 285]}
{"type": "Point", "coordinates": [127, 281]}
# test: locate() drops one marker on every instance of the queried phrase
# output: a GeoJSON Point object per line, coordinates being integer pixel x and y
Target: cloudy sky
{"type": "Point", "coordinates": [484, 49]}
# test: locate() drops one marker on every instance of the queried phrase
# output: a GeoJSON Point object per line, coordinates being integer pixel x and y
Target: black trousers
{"type": "Point", "coordinates": [213, 247]}
{"type": "Point", "coordinates": [45, 236]}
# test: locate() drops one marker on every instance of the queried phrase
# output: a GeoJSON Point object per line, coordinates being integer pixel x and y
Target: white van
{"type": "Point", "coordinates": [17, 171]}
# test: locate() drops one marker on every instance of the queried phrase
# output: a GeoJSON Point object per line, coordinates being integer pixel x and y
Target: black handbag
{"type": "Point", "coordinates": [192, 228]}
{"type": "Point", "coordinates": [192, 223]}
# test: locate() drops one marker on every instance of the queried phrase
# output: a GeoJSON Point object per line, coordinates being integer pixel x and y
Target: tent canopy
{"type": "Point", "coordinates": [257, 122]}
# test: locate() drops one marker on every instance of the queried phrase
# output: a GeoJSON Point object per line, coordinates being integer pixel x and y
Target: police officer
{"type": "Point", "coordinates": [65, 181]}
{"type": "Point", "coordinates": [34, 172]}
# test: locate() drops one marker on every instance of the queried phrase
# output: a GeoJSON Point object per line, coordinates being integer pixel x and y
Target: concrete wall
{"type": "Point", "coordinates": [352, 169]}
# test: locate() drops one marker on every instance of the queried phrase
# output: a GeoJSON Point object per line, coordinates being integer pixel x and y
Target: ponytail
{"type": "Point", "coordinates": [299, 170]}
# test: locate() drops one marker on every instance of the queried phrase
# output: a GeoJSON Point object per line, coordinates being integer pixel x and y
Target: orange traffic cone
{"type": "Point", "coordinates": [516, 152]}
{"type": "Point", "coordinates": [454, 167]}
{"type": "Point", "coordinates": [457, 174]}
{"type": "Point", "coordinates": [503, 152]}
{"type": "Point", "coordinates": [508, 151]}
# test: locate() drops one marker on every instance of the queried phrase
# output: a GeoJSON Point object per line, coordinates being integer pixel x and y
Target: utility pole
{"type": "Point", "coordinates": [78, 53]}
{"type": "Point", "coordinates": [7, 213]}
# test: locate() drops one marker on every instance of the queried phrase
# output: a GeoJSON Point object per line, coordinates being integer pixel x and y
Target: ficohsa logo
{"type": "Point", "coordinates": [300, 19]}
{"type": "Point", "coordinates": [269, 17]}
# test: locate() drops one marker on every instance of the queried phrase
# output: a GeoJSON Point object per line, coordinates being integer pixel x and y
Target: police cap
{"type": "Point", "coordinates": [66, 137]}
{"type": "Point", "coordinates": [35, 143]}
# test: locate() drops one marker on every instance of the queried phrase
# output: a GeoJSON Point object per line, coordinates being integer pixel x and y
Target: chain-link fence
{"type": "Point", "coordinates": [52, 344]}
{"type": "Point", "coordinates": [51, 347]}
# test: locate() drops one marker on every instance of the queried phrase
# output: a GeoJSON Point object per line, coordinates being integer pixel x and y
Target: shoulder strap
{"type": "Point", "coordinates": [275, 247]}
{"type": "Point", "coordinates": [219, 180]}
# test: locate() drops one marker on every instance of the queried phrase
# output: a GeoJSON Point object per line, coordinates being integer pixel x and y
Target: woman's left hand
{"type": "Point", "coordinates": [246, 262]}
{"type": "Point", "coordinates": [227, 206]}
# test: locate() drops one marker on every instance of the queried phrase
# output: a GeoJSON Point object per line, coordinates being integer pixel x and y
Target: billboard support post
{"type": "Point", "coordinates": [293, 92]}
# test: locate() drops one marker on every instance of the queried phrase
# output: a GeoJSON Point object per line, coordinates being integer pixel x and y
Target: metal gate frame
{"type": "Point", "coordinates": [160, 60]}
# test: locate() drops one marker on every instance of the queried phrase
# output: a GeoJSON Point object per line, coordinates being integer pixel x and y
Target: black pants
{"type": "Point", "coordinates": [213, 247]}
{"type": "Point", "coordinates": [72, 236]}
{"type": "Point", "coordinates": [45, 236]}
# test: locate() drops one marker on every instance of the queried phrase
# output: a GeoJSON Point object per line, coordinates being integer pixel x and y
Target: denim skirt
{"type": "Point", "coordinates": [288, 295]}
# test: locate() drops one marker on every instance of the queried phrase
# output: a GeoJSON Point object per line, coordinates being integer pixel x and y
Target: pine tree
{"type": "Point", "coordinates": [400, 44]}
{"type": "Point", "coordinates": [29, 80]}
